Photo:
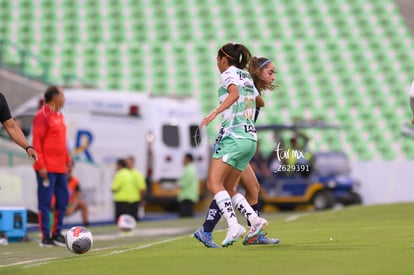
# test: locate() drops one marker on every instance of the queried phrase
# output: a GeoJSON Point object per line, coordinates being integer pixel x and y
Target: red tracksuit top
{"type": "Point", "coordinates": [49, 140]}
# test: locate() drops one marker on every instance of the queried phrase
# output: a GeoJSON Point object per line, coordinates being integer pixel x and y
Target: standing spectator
{"type": "Point", "coordinates": [189, 187]}
{"type": "Point", "coordinates": [126, 191]}
{"type": "Point", "coordinates": [299, 152]}
{"type": "Point", "coordinates": [139, 180]}
{"type": "Point", "coordinates": [49, 139]}
{"type": "Point", "coordinates": [13, 129]}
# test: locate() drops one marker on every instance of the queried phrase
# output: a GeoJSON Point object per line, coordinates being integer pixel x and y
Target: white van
{"type": "Point", "coordinates": [103, 126]}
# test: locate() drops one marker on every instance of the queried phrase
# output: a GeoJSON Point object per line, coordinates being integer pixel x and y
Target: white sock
{"type": "Point", "coordinates": [241, 204]}
{"type": "Point", "coordinates": [226, 208]}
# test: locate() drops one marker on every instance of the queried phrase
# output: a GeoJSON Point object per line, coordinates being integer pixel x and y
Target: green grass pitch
{"type": "Point", "coordinates": [355, 240]}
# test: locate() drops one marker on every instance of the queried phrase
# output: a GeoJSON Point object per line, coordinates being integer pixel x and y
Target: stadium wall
{"type": "Point", "coordinates": [381, 183]}
{"type": "Point", "coordinates": [385, 181]}
{"type": "Point", "coordinates": [18, 189]}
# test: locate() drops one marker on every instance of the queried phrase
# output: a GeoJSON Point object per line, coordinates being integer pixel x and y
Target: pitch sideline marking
{"type": "Point", "coordinates": [116, 252]}
{"type": "Point", "coordinates": [294, 217]}
{"type": "Point", "coordinates": [31, 263]}
{"type": "Point", "coordinates": [38, 262]}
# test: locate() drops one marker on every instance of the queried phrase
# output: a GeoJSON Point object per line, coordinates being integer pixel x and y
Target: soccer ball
{"type": "Point", "coordinates": [126, 223]}
{"type": "Point", "coordinates": [79, 240]}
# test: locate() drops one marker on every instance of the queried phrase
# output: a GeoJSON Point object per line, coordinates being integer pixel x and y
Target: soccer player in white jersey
{"type": "Point", "coordinates": [238, 143]}
{"type": "Point", "coordinates": [262, 71]}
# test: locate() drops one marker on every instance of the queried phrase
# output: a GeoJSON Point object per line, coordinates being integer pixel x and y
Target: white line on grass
{"type": "Point", "coordinates": [116, 252]}
{"type": "Point", "coordinates": [38, 262]}
{"type": "Point", "coordinates": [295, 217]}
{"type": "Point", "coordinates": [31, 262]}
{"type": "Point", "coordinates": [292, 218]}
{"type": "Point", "coordinates": [141, 233]}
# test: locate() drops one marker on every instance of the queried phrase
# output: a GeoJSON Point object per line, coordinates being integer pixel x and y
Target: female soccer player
{"type": "Point", "coordinates": [262, 71]}
{"type": "Point", "coordinates": [238, 142]}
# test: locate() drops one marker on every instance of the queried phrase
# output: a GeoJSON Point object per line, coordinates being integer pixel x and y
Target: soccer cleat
{"type": "Point", "coordinates": [233, 234]}
{"type": "Point", "coordinates": [47, 242]}
{"type": "Point", "coordinates": [259, 224]}
{"type": "Point", "coordinates": [205, 238]}
{"type": "Point", "coordinates": [59, 240]}
{"type": "Point", "coordinates": [262, 239]}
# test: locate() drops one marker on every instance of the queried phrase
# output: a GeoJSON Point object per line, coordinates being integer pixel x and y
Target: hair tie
{"type": "Point", "coordinates": [267, 61]}
{"type": "Point", "coordinates": [226, 54]}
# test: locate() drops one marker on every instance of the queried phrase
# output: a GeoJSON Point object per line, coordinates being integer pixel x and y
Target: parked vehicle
{"type": "Point", "coordinates": [322, 180]}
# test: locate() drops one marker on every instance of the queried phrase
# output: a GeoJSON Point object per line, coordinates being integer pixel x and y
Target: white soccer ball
{"type": "Point", "coordinates": [79, 240]}
{"type": "Point", "coordinates": [126, 222]}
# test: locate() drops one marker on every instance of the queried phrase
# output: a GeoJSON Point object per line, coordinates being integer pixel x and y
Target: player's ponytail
{"type": "Point", "coordinates": [237, 54]}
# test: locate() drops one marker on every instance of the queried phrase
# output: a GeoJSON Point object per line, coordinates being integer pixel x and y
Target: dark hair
{"type": "Point", "coordinates": [121, 162]}
{"type": "Point", "coordinates": [237, 54]}
{"type": "Point", "coordinates": [189, 156]}
{"type": "Point", "coordinates": [256, 66]}
{"type": "Point", "coordinates": [51, 91]}
{"type": "Point", "coordinates": [131, 158]}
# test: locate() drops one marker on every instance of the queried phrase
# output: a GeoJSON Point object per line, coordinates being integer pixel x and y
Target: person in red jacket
{"type": "Point", "coordinates": [49, 140]}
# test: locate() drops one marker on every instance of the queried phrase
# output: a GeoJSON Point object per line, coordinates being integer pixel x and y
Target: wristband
{"type": "Point", "coordinates": [28, 147]}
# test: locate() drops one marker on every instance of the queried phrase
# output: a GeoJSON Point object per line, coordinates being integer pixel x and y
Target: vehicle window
{"type": "Point", "coordinates": [195, 136]}
{"type": "Point", "coordinates": [3, 133]}
{"type": "Point", "coordinates": [170, 135]}
{"type": "Point", "coordinates": [24, 122]}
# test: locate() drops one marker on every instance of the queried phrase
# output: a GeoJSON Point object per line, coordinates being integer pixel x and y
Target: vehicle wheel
{"type": "Point", "coordinates": [355, 198]}
{"type": "Point", "coordinates": [285, 207]}
{"type": "Point", "coordinates": [323, 200]}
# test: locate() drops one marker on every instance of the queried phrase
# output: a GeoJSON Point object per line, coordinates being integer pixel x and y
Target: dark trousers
{"type": "Point", "coordinates": [186, 208]}
{"type": "Point", "coordinates": [130, 208]}
{"type": "Point", "coordinates": [58, 186]}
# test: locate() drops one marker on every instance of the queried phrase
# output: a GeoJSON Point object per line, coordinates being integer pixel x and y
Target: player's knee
{"type": "Point", "coordinates": [213, 187]}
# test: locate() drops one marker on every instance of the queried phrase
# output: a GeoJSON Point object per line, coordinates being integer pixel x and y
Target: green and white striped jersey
{"type": "Point", "coordinates": [238, 118]}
